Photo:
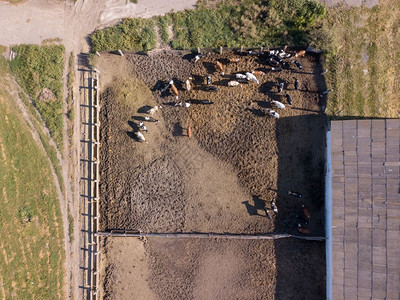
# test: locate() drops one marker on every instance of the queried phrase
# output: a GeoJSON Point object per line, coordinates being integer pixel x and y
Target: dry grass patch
{"type": "Point", "coordinates": [364, 64]}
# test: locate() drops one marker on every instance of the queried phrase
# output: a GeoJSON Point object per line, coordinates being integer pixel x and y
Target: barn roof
{"type": "Point", "coordinates": [365, 209]}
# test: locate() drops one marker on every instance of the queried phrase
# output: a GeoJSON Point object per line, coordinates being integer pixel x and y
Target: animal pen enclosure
{"type": "Point", "coordinates": [220, 180]}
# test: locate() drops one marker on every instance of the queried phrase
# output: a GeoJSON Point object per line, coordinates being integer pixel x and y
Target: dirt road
{"type": "Point", "coordinates": [36, 20]}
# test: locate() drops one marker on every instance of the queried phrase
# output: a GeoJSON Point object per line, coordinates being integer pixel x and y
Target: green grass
{"type": "Point", "coordinates": [31, 235]}
{"type": "Point", "coordinates": [131, 34]}
{"type": "Point", "coordinates": [70, 227]}
{"type": "Point", "coordinates": [363, 61]}
{"type": "Point", "coordinates": [163, 23]}
{"type": "Point", "coordinates": [243, 23]}
{"type": "Point", "coordinates": [39, 67]}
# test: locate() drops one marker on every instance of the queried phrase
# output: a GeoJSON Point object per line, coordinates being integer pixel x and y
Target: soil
{"type": "Point", "coordinates": [219, 180]}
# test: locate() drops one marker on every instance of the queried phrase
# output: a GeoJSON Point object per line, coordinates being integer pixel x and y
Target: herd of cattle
{"type": "Point", "coordinates": [277, 61]}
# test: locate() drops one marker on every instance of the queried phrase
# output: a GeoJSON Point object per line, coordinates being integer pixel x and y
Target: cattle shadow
{"type": "Point", "coordinates": [210, 67]}
{"type": "Point", "coordinates": [263, 104]}
{"type": "Point", "coordinates": [223, 82]}
{"type": "Point", "coordinates": [301, 167]}
{"type": "Point", "coordinates": [139, 118]}
{"type": "Point", "coordinates": [256, 111]}
{"type": "Point", "coordinates": [202, 102]}
{"type": "Point", "coordinates": [144, 109]}
{"type": "Point", "coordinates": [198, 79]}
{"type": "Point", "coordinates": [135, 128]}
{"type": "Point", "coordinates": [258, 204]}
{"type": "Point", "coordinates": [177, 129]}
{"type": "Point", "coordinates": [189, 56]}
{"type": "Point", "coordinates": [268, 87]}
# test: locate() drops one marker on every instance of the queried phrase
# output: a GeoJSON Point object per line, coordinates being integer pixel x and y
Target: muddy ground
{"type": "Point", "coordinates": [236, 162]}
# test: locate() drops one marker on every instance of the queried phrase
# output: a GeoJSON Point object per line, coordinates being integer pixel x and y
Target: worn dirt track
{"type": "Point", "coordinates": [219, 180]}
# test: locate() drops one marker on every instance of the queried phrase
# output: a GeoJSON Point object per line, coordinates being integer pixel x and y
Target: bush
{"type": "Point", "coordinates": [25, 214]}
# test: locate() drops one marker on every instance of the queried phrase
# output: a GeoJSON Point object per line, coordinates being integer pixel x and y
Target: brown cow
{"type": "Point", "coordinates": [306, 212]}
{"type": "Point", "coordinates": [220, 67]}
{"type": "Point", "coordinates": [300, 53]}
{"type": "Point", "coordinates": [258, 72]}
{"type": "Point", "coordinates": [174, 89]}
{"type": "Point", "coordinates": [234, 60]}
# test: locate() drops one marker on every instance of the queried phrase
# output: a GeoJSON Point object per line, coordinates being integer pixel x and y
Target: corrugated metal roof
{"type": "Point", "coordinates": [365, 209]}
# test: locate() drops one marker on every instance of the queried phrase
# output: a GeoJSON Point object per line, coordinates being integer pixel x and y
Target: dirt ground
{"type": "Point", "coordinates": [219, 180]}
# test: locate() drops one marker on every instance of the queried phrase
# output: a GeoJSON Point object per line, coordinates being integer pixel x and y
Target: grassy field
{"type": "Point", "coordinates": [31, 235]}
{"type": "Point", "coordinates": [39, 69]}
{"type": "Point", "coordinates": [131, 34]}
{"type": "Point", "coordinates": [364, 63]}
{"type": "Point", "coordinates": [230, 23]}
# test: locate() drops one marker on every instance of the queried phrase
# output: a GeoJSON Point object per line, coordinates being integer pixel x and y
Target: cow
{"type": "Point", "coordinates": [296, 84]}
{"type": "Point", "coordinates": [289, 99]}
{"type": "Point", "coordinates": [298, 64]}
{"type": "Point", "coordinates": [174, 89]}
{"type": "Point", "coordinates": [183, 104]}
{"type": "Point", "coordinates": [278, 104]}
{"type": "Point", "coordinates": [143, 127]}
{"type": "Point", "coordinates": [273, 63]}
{"type": "Point", "coordinates": [257, 72]}
{"type": "Point", "coordinates": [267, 214]}
{"type": "Point", "coordinates": [208, 78]}
{"type": "Point", "coordinates": [212, 88]}
{"type": "Point", "coordinates": [326, 92]}
{"type": "Point", "coordinates": [220, 67]}
{"type": "Point", "coordinates": [251, 77]}
{"type": "Point", "coordinates": [295, 194]}
{"type": "Point", "coordinates": [274, 207]}
{"type": "Point", "coordinates": [233, 83]}
{"type": "Point", "coordinates": [206, 102]}
{"type": "Point", "coordinates": [300, 53]}
{"type": "Point", "coordinates": [153, 109]}
{"type": "Point", "coordinates": [234, 60]}
{"type": "Point", "coordinates": [272, 113]}
{"type": "Point", "coordinates": [240, 76]}
{"type": "Point", "coordinates": [274, 69]}
{"type": "Point", "coordinates": [197, 57]}
{"type": "Point", "coordinates": [280, 87]}
{"type": "Point", "coordinates": [188, 84]}
{"type": "Point", "coordinates": [150, 119]}
{"type": "Point", "coordinates": [140, 136]}
{"type": "Point", "coordinates": [302, 229]}
{"type": "Point", "coordinates": [306, 212]}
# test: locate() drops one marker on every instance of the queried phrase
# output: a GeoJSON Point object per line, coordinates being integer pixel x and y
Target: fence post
{"type": "Point", "coordinates": [198, 50]}
{"type": "Point", "coordinates": [241, 49]}
{"type": "Point", "coordinates": [220, 49]}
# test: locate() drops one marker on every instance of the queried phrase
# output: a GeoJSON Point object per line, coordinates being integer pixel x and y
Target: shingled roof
{"type": "Point", "coordinates": [365, 209]}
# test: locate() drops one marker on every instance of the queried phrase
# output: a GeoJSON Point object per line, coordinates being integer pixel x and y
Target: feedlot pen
{"type": "Point", "coordinates": [218, 181]}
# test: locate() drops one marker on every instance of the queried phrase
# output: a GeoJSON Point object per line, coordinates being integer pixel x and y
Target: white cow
{"type": "Point", "coordinates": [240, 76]}
{"type": "Point", "coordinates": [140, 136]}
{"type": "Point", "coordinates": [273, 113]}
{"type": "Point", "coordinates": [251, 77]}
{"type": "Point", "coordinates": [233, 83]}
{"type": "Point", "coordinates": [278, 104]}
